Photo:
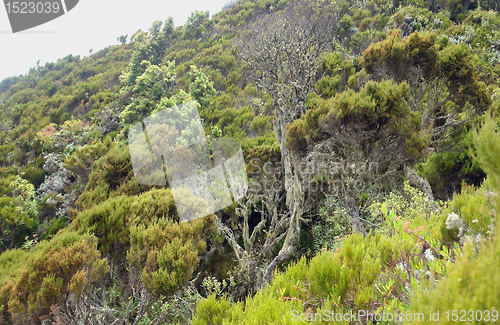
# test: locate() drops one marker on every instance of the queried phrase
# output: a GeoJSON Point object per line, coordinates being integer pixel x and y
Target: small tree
{"type": "Point", "coordinates": [25, 195]}
{"type": "Point", "coordinates": [149, 46]}
{"type": "Point", "coordinates": [355, 145]}
{"type": "Point", "coordinates": [201, 89]}
{"type": "Point", "coordinates": [62, 274]}
{"type": "Point", "coordinates": [142, 97]}
{"type": "Point", "coordinates": [122, 39]}
{"type": "Point", "coordinates": [163, 256]}
{"type": "Point", "coordinates": [196, 24]}
{"type": "Point", "coordinates": [266, 197]}
{"type": "Point", "coordinates": [18, 214]}
{"type": "Point", "coordinates": [283, 52]}
{"type": "Point", "coordinates": [444, 84]}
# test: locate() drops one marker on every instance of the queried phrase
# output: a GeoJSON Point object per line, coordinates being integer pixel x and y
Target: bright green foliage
{"type": "Point", "coordinates": [149, 88]}
{"type": "Point", "coordinates": [260, 309]}
{"type": "Point", "coordinates": [200, 88]}
{"type": "Point", "coordinates": [347, 277]}
{"type": "Point", "coordinates": [111, 173]}
{"type": "Point", "coordinates": [166, 252]}
{"type": "Point", "coordinates": [24, 194]}
{"type": "Point", "coordinates": [13, 222]}
{"type": "Point", "coordinates": [337, 73]}
{"type": "Point", "coordinates": [18, 214]}
{"type": "Point", "coordinates": [152, 205]}
{"type": "Point", "coordinates": [399, 54]}
{"type": "Point", "coordinates": [69, 265]}
{"type": "Point", "coordinates": [350, 274]}
{"type": "Point", "coordinates": [376, 273]}
{"type": "Point", "coordinates": [110, 220]}
{"type": "Point", "coordinates": [11, 264]}
{"type": "Point", "coordinates": [413, 207]}
{"type": "Point", "coordinates": [488, 151]}
{"type": "Point", "coordinates": [211, 311]}
{"type": "Point", "coordinates": [474, 206]}
{"type": "Point", "coordinates": [380, 105]}
{"type": "Point", "coordinates": [149, 46]}
{"type": "Point", "coordinates": [107, 221]}
{"type": "Point", "coordinates": [473, 283]}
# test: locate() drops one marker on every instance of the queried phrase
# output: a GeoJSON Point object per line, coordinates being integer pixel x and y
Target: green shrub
{"type": "Point", "coordinates": [473, 283]}
{"type": "Point", "coordinates": [70, 264]}
{"type": "Point", "coordinates": [110, 220]}
{"type": "Point", "coordinates": [348, 277]}
{"type": "Point", "coordinates": [111, 174]}
{"type": "Point", "coordinates": [53, 226]}
{"type": "Point", "coordinates": [333, 224]}
{"type": "Point", "coordinates": [107, 221]}
{"type": "Point", "coordinates": [166, 253]}
{"type": "Point", "coordinates": [376, 273]}
{"type": "Point", "coordinates": [474, 206]}
{"type": "Point", "coordinates": [413, 206]}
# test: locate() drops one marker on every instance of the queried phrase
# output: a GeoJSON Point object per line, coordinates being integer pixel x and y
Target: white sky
{"type": "Point", "coordinates": [91, 24]}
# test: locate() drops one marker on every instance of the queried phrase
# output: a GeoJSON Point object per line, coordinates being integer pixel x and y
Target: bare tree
{"type": "Point", "coordinates": [283, 52]}
{"type": "Point", "coordinates": [265, 196]}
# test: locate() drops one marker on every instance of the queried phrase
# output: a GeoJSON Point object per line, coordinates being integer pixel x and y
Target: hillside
{"type": "Point", "coordinates": [369, 136]}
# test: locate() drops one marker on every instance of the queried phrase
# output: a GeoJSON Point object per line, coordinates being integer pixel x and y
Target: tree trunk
{"type": "Point", "coordinates": [356, 224]}
{"type": "Point", "coordinates": [285, 157]}
{"type": "Point", "coordinates": [420, 183]}
{"type": "Point", "coordinates": [293, 234]}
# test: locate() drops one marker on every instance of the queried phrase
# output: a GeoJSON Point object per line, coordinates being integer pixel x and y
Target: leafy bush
{"type": "Point", "coordinates": [68, 266]}
{"type": "Point", "coordinates": [474, 206]}
{"type": "Point", "coordinates": [348, 277]}
{"type": "Point", "coordinates": [110, 173]}
{"type": "Point", "coordinates": [473, 282]}
{"type": "Point", "coordinates": [110, 221]}
{"type": "Point", "coordinates": [18, 214]}
{"type": "Point", "coordinates": [333, 224]}
{"type": "Point", "coordinates": [107, 221]}
{"type": "Point", "coordinates": [166, 252]}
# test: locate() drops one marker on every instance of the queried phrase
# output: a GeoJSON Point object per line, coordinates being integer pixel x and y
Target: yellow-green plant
{"type": "Point", "coordinates": [470, 290]}
{"type": "Point", "coordinates": [60, 273]}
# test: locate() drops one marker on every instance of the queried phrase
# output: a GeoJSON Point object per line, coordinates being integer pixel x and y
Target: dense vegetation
{"type": "Point", "coordinates": [370, 136]}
